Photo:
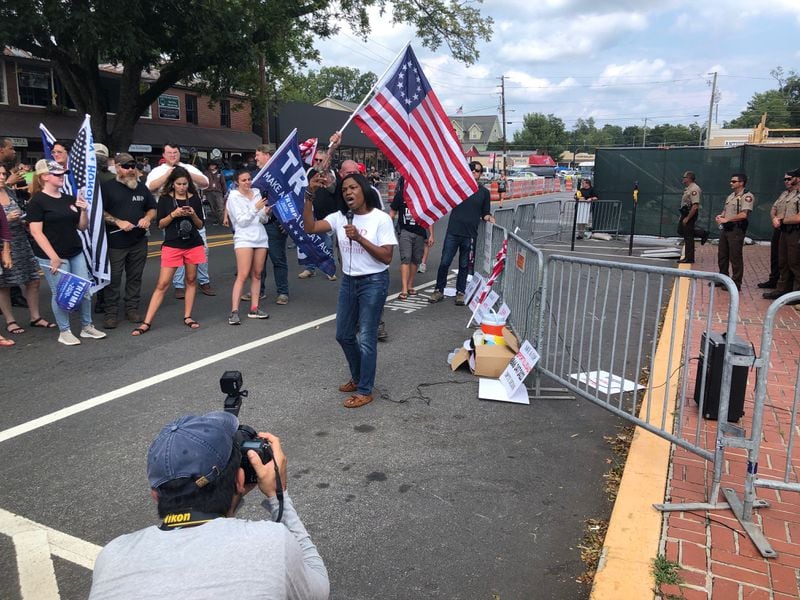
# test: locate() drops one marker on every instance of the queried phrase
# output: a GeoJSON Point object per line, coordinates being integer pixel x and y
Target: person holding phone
{"type": "Point", "coordinates": [180, 216]}
{"type": "Point", "coordinates": [55, 219]}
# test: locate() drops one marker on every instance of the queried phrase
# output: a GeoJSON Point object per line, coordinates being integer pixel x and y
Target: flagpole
{"type": "Point", "coordinates": [378, 82]}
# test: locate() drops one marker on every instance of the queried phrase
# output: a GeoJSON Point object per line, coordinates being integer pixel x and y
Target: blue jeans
{"type": "Point", "coordinates": [453, 244]}
{"type": "Point", "coordinates": [202, 269]}
{"type": "Point", "coordinates": [361, 301]}
{"type": "Point", "coordinates": [77, 266]}
{"type": "Point", "coordinates": [277, 254]}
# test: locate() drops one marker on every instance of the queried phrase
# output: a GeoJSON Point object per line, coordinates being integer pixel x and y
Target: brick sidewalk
{"type": "Point", "coordinates": [718, 561]}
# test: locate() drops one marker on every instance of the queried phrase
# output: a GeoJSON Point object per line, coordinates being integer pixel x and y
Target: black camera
{"type": "Point", "coordinates": [185, 230]}
{"type": "Point", "coordinates": [246, 437]}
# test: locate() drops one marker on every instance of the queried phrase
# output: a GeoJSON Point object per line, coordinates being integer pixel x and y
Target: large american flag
{"type": "Point", "coordinates": [407, 122]}
{"type": "Point", "coordinates": [83, 175]}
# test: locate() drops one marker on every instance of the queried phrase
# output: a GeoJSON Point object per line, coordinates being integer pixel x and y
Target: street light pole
{"type": "Point", "coordinates": [503, 105]}
{"type": "Point", "coordinates": [711, 108]}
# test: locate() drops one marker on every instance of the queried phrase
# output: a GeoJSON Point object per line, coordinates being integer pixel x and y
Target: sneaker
{"type": "Point", "coordinates": [422, 268]}
{"type": "Point", "coordinates": [459, 299]}
{"type": "Point", "coordinates": [282, 299]}
{"type": "Point", "coordinates": [110, 322]}
{"type": "Point", "coordinates": [306, 274]}
{"type": "Point", "coordinates": [233, 318]}
{"type": "Point", "coordinates": [68, 339]}
{"type": "Point", "coordinates": [257, 314]}
{"type": "Point", "coordinates": [382, 334]}
{"type": "Point", "coordinates": [436, 296]}
{"type": "Point", "coordinates": [89, 331]}
{"type": "Point", "coordinates": [331, 277]}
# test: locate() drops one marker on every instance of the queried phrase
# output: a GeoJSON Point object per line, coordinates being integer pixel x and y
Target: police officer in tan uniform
{"type": "Point", "coordinates": [786, 219]}
{"type": "Point", "coordinates": [690, 209]}
{"type": "Point", "coordinates": [733, 222]}
{"type": "Point", "coordinates": [777, 208]}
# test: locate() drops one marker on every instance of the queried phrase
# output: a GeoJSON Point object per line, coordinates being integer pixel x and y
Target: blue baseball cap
{"type": "Point", "coordinates": [193, 447]}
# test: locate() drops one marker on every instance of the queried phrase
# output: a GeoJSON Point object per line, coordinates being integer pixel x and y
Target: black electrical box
{"type": "Point", "coordinates": [711, 365]}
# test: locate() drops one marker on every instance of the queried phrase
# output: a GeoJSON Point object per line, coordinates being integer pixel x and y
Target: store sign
{"type": "Point", "coordinates": [169, 107]}
{"type": "Point", "coordinates": [140, 148]}
{"type": "Point", "coordinates": [19, 142]}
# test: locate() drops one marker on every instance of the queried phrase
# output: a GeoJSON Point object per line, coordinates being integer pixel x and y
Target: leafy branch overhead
{"type": "Point", "coordinates": [215, 44]}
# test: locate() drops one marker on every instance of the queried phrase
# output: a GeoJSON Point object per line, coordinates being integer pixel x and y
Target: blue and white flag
{"type": "Point", "coordinates": [283, 181]}
{"type": "Point", "coordinates": [83, 176]}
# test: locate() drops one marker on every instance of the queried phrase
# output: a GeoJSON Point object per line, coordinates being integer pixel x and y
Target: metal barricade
{"type": "Point", "coordinates": [521, 286]}
{"type": "Point", "coordinates": [605, 216]}
{"type": "Point", "coordinates": [546, 220]}
{"type": "Point", "coordinates": [780, 473]}
{"type": "Point", "coordinates": [504, 217]}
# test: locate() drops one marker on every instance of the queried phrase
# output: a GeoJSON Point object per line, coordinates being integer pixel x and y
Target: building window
{"type": "Point", "coordinates": [191, 109]}
{"type": "Point", "coordinates": [225, 113]}
{"type": "Point", "coordinates": [475, 133]}
{"type": "Point", "coordinates": [3, 90]}
{"type": "Point", "coordinates": [34, 86]}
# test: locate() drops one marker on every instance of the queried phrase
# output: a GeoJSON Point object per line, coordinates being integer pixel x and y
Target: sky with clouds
{"type": "Point", "coordinates": [619, 61]}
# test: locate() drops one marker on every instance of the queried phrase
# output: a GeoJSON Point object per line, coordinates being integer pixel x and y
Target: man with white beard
{"type": "Point", "coordinates": [129, 208]}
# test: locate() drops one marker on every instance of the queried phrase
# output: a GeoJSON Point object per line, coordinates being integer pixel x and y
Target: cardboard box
{"type": "Point", "coordinates": [488, 361]}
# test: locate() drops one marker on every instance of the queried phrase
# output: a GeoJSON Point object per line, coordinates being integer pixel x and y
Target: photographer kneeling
{"type": "Point", "coordinates": [197, 476]}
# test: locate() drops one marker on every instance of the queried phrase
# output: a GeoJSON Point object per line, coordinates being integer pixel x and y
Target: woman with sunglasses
{"type": "Point", "coordinates": [25, 269]}
{"type": "Point", "coordinates": [55, 219]}
{"type": "Point", "coordinates": [180, 216]}
{"type": "Point", "coordinates": [247, 212]}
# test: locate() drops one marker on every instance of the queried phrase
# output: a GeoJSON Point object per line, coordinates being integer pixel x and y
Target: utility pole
{"type": "Point", "coordinates": [711, 108]}
{"type": "Point", "coordinates": [644, 133]}
{"type": "Point", "coordinates": [503, 109]}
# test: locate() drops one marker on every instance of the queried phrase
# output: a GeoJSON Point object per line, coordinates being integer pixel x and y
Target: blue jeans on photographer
{"type": "Point", "coordinates": [202, 269]}
{"type": "Point", "coordinates": [77, 266]}
{"type": "Point", "coordinates": [361, 301]}
{"type": "Point", "coordinates": [453, 244]}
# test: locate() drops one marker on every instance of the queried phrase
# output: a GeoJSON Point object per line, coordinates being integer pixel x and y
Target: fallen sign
{"type": "Point", "coordinates": [605, 382]}
{"type": "Point", "coordinates": [487, 360]}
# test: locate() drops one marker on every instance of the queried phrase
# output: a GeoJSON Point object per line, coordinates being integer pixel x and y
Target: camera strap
{"type": "Point", "coordinates": [188, 518]}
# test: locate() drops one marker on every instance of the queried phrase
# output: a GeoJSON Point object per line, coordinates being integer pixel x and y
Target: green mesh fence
{"type": "Point", "coordinates": [659, 172]}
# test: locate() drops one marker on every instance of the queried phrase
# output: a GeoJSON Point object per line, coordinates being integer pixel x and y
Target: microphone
{"type": "Point", "coordinates": [349, 217]}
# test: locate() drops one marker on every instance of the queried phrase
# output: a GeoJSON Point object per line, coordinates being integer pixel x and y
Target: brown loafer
{"type": "Point", "coordinates": [348, 387]}
{"type": "Point", "coordinates": [207, 290]}
{"type": "Point", "coordinates": [180, 293]}
{"type": "Point", "coordinates": [357, 400]}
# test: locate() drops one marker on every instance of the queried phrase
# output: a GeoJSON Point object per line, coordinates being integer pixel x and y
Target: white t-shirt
{"type": "Point", "coordinates": [160, 170]}
{"type": "Point", "coordinates": [375, 226]}
{"type": "Point", "coordinates": [247, 222]}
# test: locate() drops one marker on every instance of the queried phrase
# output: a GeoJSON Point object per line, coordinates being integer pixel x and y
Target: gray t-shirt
{"type": "Point", "coordinates": [224, 558]}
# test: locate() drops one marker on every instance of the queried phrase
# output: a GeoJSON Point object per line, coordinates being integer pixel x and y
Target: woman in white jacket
{"type": "Point", "coordinates": [247, 212]}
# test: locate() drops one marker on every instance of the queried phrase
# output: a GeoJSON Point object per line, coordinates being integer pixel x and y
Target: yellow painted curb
{"type": "Point", "coordinates": [634, 532]}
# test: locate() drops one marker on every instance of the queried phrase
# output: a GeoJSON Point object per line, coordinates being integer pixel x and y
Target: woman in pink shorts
{"type": "Point", "coordinates": [180, 216]}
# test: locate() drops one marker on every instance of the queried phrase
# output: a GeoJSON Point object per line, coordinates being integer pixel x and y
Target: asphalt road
{"type": "Point", "coordinates": [426, 492]}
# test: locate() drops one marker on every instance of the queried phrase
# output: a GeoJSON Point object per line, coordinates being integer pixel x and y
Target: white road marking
{"type": "Point", "coordinates": [80, 407]}
{"type": "Point", "coordinates": [35, 545]}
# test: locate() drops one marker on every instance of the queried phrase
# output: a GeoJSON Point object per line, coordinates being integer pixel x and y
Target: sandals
{"type": "Point", "coordinates": [357, 400]}
{"type": "Point", "coordinates": [4, 342]}
{"type": "Point", "coordinates": [141, 329]}
{"type": "Point", "coordinates": [13, 328]}
{"type": "Point", "coordinates": [190, 323]}
{"type": "Point", "coordinates": [402, 296]}
{"type": "Point", "coordinates": [412, 292]}
{"type": "Point", "coordinates": [41, 322]}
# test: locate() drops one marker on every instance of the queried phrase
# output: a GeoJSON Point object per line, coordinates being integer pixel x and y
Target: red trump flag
{"type": "Point", "coordinates": [406, 121]}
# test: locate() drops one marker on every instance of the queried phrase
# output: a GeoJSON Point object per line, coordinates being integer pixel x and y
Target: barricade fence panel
{"type": "Point", "coordinates": [521, 286]}
{"type": "Point", "coordinates": [604, 216]}
{"type": "Point", "coordinates": [504, 217]}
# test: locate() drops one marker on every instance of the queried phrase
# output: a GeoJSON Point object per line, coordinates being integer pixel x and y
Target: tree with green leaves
{"type": "Point", "coordinates": [341, 83]}
{"type": "Point", "coordinates": [782, 105]}
{"type": "Point", "coordinates": [215, 45]}
{"type": "Point", "coordinates": [544, 133]}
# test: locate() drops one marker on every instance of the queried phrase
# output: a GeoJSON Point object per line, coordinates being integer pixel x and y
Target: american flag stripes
{"type": "Point", "coordinates": [83, 172]}
{"type": "Point", "coordinates": [307, 150]}
{"type": "Point", "coordinates": [406, 121]}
